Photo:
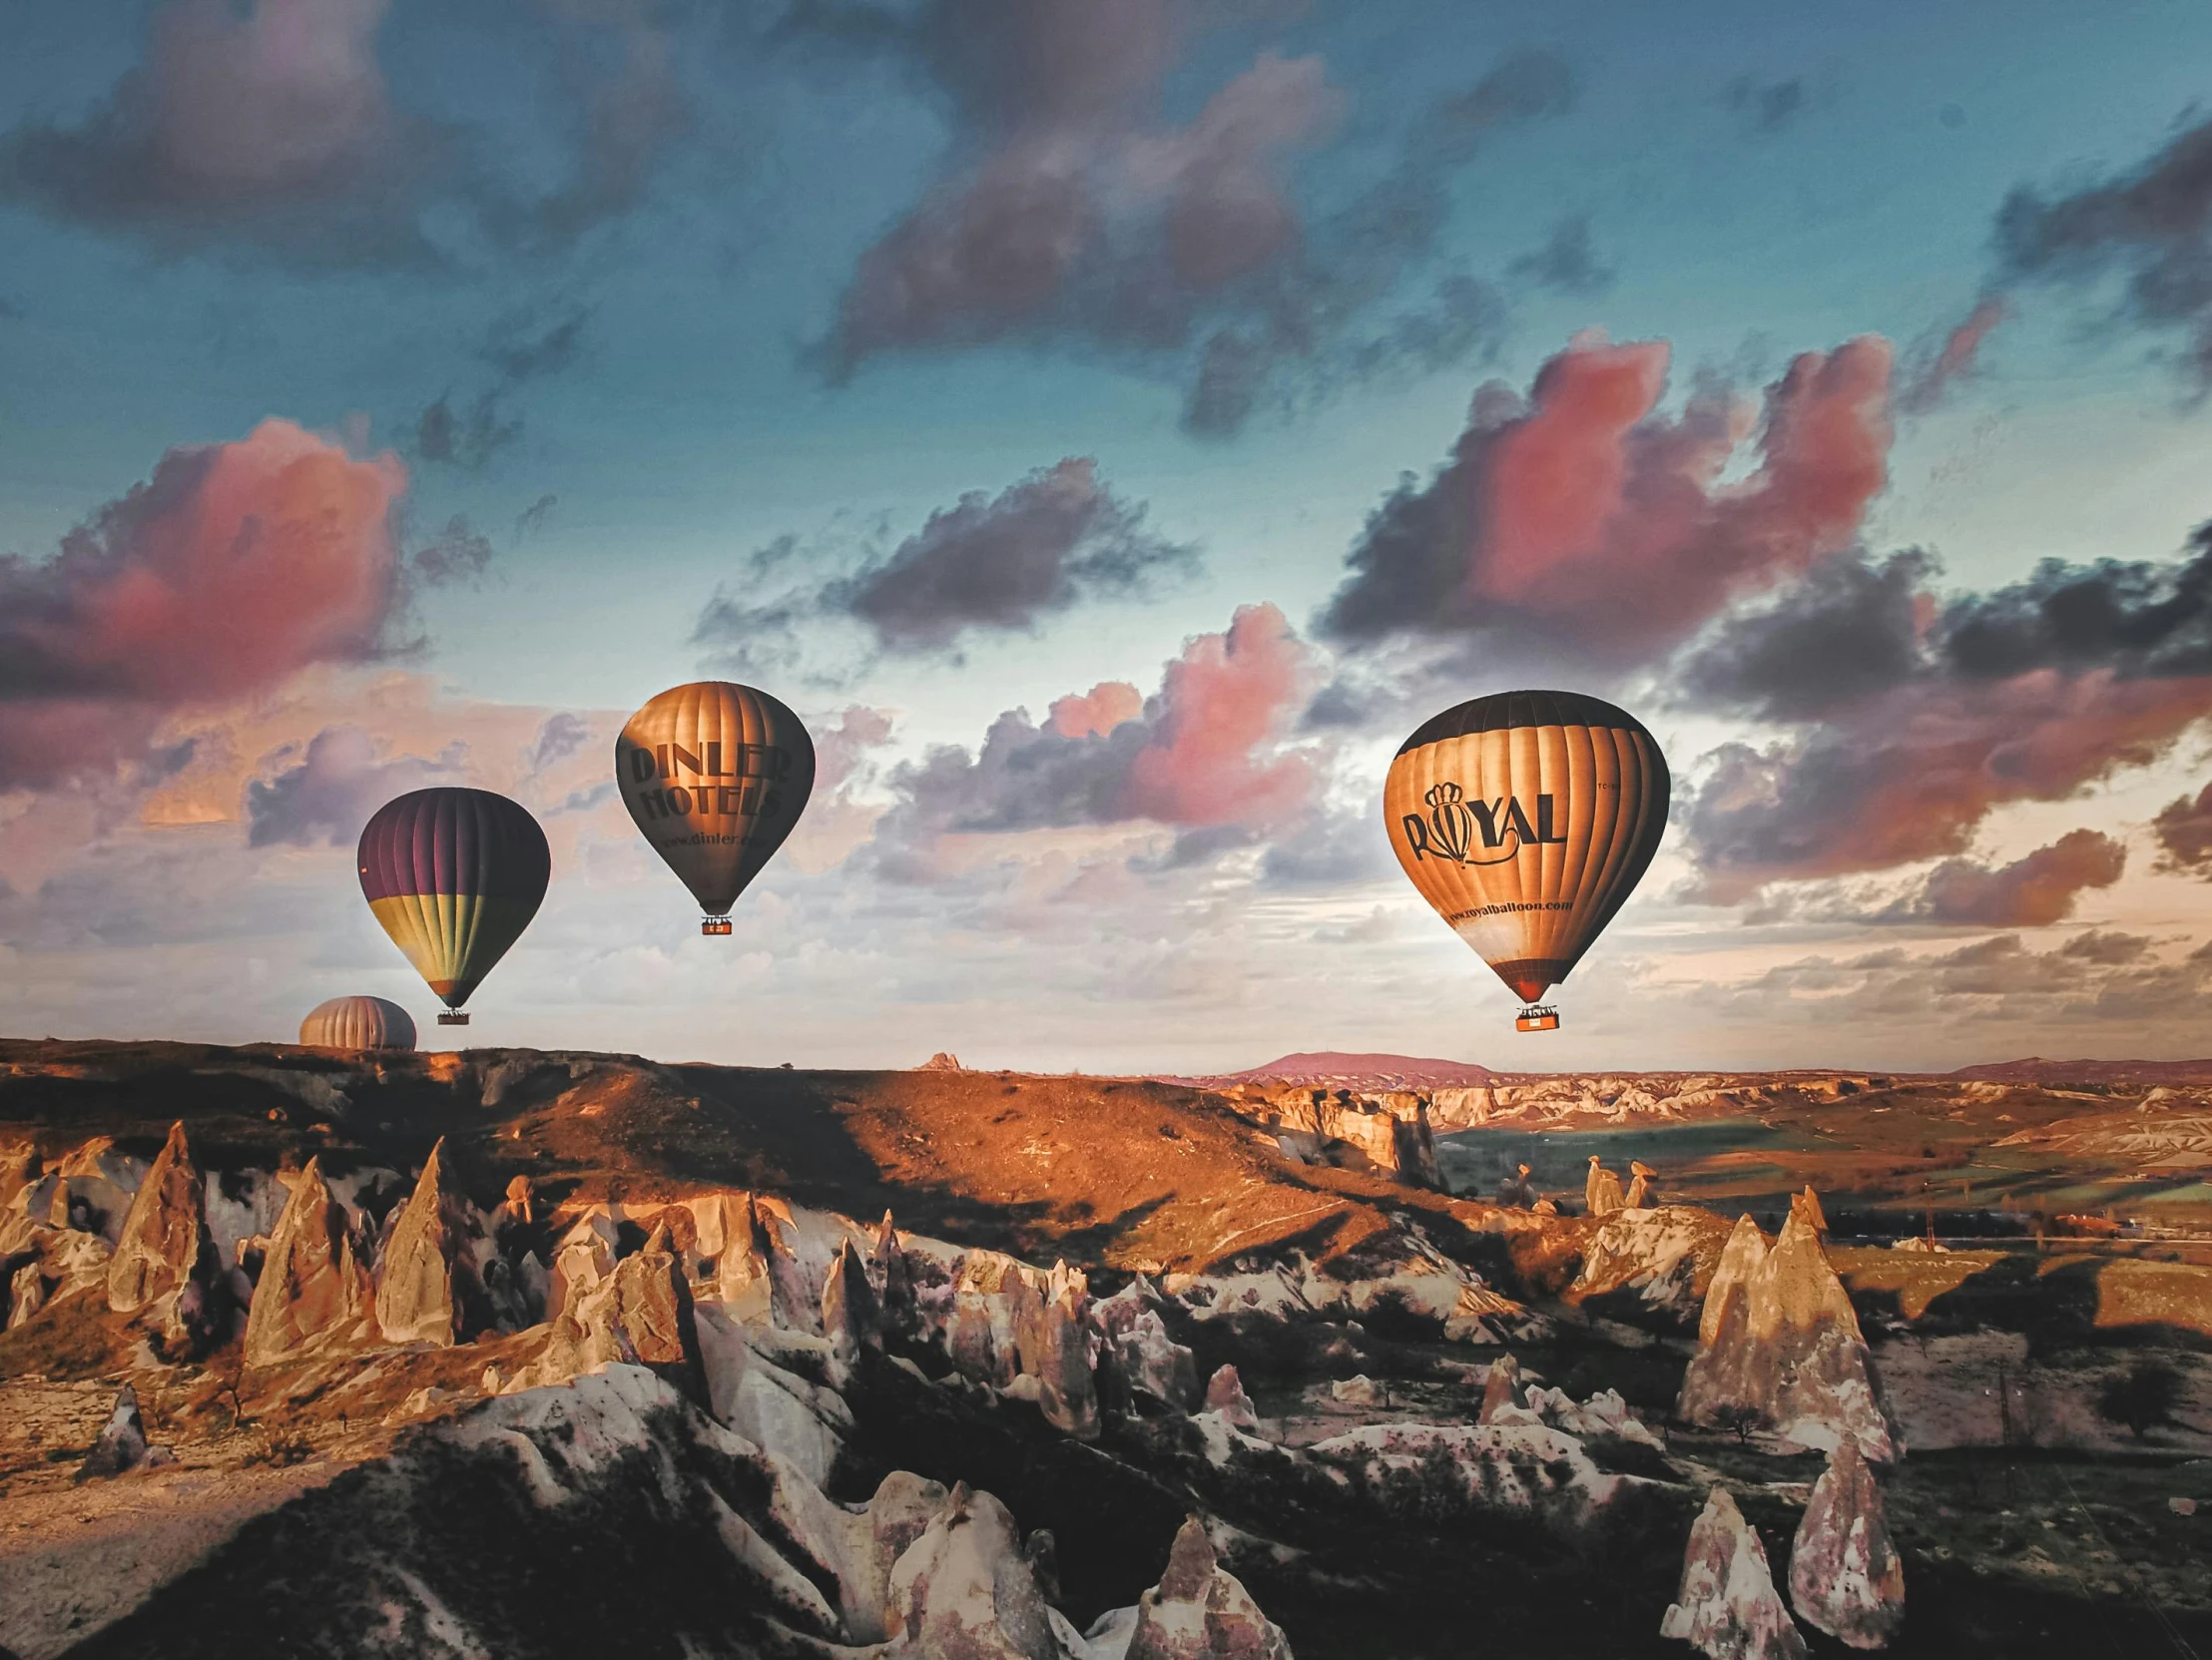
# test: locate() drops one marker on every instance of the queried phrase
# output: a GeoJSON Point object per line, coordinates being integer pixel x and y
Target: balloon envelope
{"type": "Point", "coordinates": [1527, 819]}
{"type": "Point", "coordinates": [357, 1024]}
{"type": "Point", "coordinates": [715, 776]}
{"type": "Point", "coordinates": [454, 875]}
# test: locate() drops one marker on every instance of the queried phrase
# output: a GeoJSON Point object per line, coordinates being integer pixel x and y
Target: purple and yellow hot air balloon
{"type": "Point", "coordinates": [454, 875]}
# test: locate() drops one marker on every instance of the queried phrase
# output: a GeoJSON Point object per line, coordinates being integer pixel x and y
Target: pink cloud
{"type": "Point", "coordinates": [1587, 515]}
{"type": "Point", "coordinates": [238, 565]}
{"type": "Point", "coordinates": [1220, 702]}
{"type": "Point", "coordinates": [1953, 361]}
{"type": "Point", "coordinates": [1095, 713]}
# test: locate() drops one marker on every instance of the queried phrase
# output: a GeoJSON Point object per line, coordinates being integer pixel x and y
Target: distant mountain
{"type": "Point", "coordinates": [1330, 1066]}
{"type": "Point", "coordinates": [2092, 1074]}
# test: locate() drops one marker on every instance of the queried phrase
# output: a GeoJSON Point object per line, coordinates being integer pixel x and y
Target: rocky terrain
{"type": "Point", "coordinates": [519, 1354]}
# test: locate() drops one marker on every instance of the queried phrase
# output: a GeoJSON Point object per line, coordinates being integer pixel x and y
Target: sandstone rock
{"type": "Point", "coordinates": [429, 1279]}
{"type": "Point", "coordinates": [311, 1286]}
{"type": "Point", "coordinates": [1640, 1177]}
{"type": "Point", "coordinates": [980, 1334]}
{"type": "Point", "coordinates": [164, 1259]}
{"type": "Point", "coordinates": [1356, 1391]}
{"type": "Point", "coordinates": [772, 1407]}
{"type": "Point", "coordinates": [849, 1316]}
{"type": "Point", "coordinates": [965, 1589]}
{"type": "Point", "coordinates": [640, 1314]}
{"type": "Point", "coordinates": [583, 1259]}
{"type": "Point", "coordinates": [1146, 1361]}
{"type": "Point", "coordinates": [27, 1290]}
{"type": "Point", "coordinates": [1055, 1346]}
{"type": "Point", "coordinates": [91, 1189]}
{"type": "Point", "coordinates": [1845, 1574]}
{"type": "Point", "coordinates": [1808, 1205]}
{"type": "Point", "coordinates": [888, 1273]}
{"type": "Point", "coordinates": [1225, 1393]}
{"type": "Point", "coordinates": [1200, 1611]}
{"type": "Point", "coordinates": [121, 1444]}
{"type": "Point", "coordinates": [1429, 1471]}
{"type": "Point", "coordinates": [1728, 1608]}
{"type": "Point", "coordinates": [1601, 1192]}
{"type": "Point", "coordinates": [941, 1062]}
{"type": "Point", "coordinates": [1665, 1255]}
{"type": "Point", "coordinates": [1777, 1339]}
{"type": "Point", "coordinates": [1500, 1388]}
{"type": "Point", "coordinates": [19, 1163]}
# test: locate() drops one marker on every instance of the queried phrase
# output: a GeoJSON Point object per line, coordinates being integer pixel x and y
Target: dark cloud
{"type": "Point", "coordinates": [327, 793]}
{"type": "Point", "coordinates": [2132, 618]}
{"type": "Point", "coordinates": [2183, 830]}
{"type": "Point", "coordinates": [268, 129]}
{"type": "Point", "coordinates": [534, 519]}
{"type": "Point", "coordinates": [2030, 892]}
{"type": "Point", "coordinates": [1069, 212]}
{"type": "Point", "coordinates": [2151, 226]}
{"type": "Point", "coordinates": [1568, 264]}
{"type": "Point", "coordinates": [1584, 518]}
{"type": "Point", "coordinates": [561, 737]}
{"type": "Point", "coordinates": [1849, 630]}
{"type": "Point", "coordinates": [466, 439]}
{"type": "Point", "coordinates": [990, 564]}
{"type": "Point", "coordinates": [1769, 105]}
{"type": "Point", "coordinates": [523, 349]}
{"type": "Point", "coordinates": [455, 556]}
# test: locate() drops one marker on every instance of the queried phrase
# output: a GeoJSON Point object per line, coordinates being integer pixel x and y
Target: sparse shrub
{"type": "Point", "coordinates": [1743, 1419]}
{"type": "Point", "coordinates": [2142, 1397]}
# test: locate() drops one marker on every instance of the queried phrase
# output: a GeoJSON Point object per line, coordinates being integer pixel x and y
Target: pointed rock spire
{"type": "Point", "coordinates": [1845, 1574]}
{"type": "Point", "coordinates": [164, 1258]}
{"type": "Point", "coordinates": [312, 1284]}
{"type": "Point", "coordinates": [1728, 1608]}
{"type": "Point", "coordinates": [1200, 1611]}
{"type": "Point", "coordinates": [429, 1281]}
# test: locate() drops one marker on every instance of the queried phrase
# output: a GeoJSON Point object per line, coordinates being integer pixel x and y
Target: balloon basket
{"type": "Point", "coordinates": [452, 1018]}
{"type": "Point", "coordinates": [1537, 1017]}
{"type": "Point", "coordinates": [717, 926]}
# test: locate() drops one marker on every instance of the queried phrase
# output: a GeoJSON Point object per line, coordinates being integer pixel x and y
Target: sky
{"type": "Point", "coordinates": [1114, 425]}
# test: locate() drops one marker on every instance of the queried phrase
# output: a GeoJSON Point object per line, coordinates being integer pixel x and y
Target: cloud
{"type": "Point", "coordinates": [990, 564]}
{"type": "Point", "coordinates": [2030, 892]}
{"type": "Point", "coordinates": [1095, 713]}
{"type": "Point", "coordinates": [2136, 617]}
{"type": "Point", "coordinates": [236, 566]}
{"type": "Point", "coordinates": [2151, 226]}
{"type": "Point", "coordinates": [563, 734]}
{"type": "Point", "coordinates": [522, 349]}
{"type": "Point", "coordinates": [1584, 517]}
{"type": "Point", "coordinates": [534, 519]}
{"type": "Point", "coordinates": [269, 128]}
{"type": "Point", "coordinates": [1769, 105]}
{"type": "Point", "coordinates": [1940, 365]}
{"type": "Point", "coordinates": [455, 555]}
{"type": "Point", "coordinates": [1203, 755]}
{"type": "Point", "coordinates": [325, 795]}
{"type": "Point", "coordinates": [1069, 212]}
{"type": "Point", "coordinates": [2183, 830]}
{"type": "Point", "coordinates": [1568, 264]}
{"type": "Point", "coordinates": [466, 439]}
{"type": "Point", "coordinates": [1845, 631]}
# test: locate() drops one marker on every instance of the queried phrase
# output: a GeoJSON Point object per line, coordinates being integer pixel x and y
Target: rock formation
{"type": "Point", "coordinates": [1146, 1361]}
{"type": "Point", "coordinates": [851, 1319]}
{"type": "Point", "coordinates": [311, 1286]}
{"type": "Point", "coordinates": [121, 1444]}
{"type": "Point", "coordinates": [1225, 1393]}
{"type": "Point", "coordinates": [1728, 1608]}
{"type": "Point", "coordinates": [941, 1062]}
{"type": "Point", "coordinates": [429, 1275]}
{"type": "Point", "coordinates": [165, 1261]}
{"type": "Point", "coordinates": [892, 1279]}
{"type": "Point", "coordinates": [1200, 1611]}
{"type": "Point", "coordinates": [1666, 1257]}
{"type": "Point", "coordinates": [1502, 1387]}
{"type": "Point", "coordinates": [1845, 1574]}
{"type": "Point", "coordinates": [965, 1588]}
{"type": "Point", "coordinates": [1640, 1177]}
{"type": "Point", "coordinates": [1779, 1340]}
{"type": "Point", "coordinates": [1601, 1190]}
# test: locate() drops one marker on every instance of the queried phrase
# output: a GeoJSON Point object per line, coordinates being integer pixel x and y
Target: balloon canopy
{"type": "Point", "coordinates": [1527, 819]}
{"type": "Point", "coordinates": [454, 875]}
{"type": "Point", "coordinates": [357, 1024]}
{"type": "Point", "coordinates": [715, 776]}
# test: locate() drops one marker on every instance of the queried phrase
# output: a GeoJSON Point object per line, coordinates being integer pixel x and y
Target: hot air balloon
{"type": "Point", "coordinates": [715, 776]}
{"type": "Point", "coordinates": [454, 875]}
{"type": "Point", "coordinates": [1527, 819]}
{"type": "Point", "coordinates": [357, 1024]}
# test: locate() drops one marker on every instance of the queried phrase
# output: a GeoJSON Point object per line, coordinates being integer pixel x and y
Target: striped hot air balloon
{"type": "Point", "coordinates": [1527, 819]}
{"type": "Point", "coordinates": [715, 776]}
{"type": "Point", "coordinates": [357, 1024]}
{"type": "Point", "coordinates": [454, 875]}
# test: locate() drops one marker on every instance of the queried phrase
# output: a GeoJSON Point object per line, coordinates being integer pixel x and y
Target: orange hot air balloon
{"type": "Point", "coordinates": [715, 776]}
{"type": "Point", "coordinates": [1527, 819]}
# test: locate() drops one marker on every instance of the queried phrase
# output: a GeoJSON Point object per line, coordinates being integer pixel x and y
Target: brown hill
{"type": "Point", "coordinates": [2089, 1074]}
